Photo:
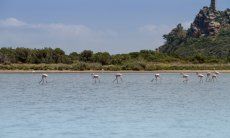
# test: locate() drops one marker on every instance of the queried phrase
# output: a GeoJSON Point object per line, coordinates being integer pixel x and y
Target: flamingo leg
{"type": "Point", "coordinates": [121, 79]}
{"type": "Point", "coordinates": [200, 79]}
{"type": "Point", "coordinates": [40, 81]}
{"type": "Point", "coordinates": [213, 79]}
{"type": "Point", "coordinates": [114, 80]}
{"type": "Point", "coordinates": [185, 80]}
{"type": "Point", "coordinates": [152, 79]}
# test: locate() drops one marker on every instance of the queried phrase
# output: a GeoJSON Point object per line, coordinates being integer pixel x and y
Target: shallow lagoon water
{"type": "Point", "coordinates": [71, 105]}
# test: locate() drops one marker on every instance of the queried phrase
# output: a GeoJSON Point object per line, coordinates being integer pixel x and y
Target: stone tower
{"type": "Point", "coordinates": [213, 5]}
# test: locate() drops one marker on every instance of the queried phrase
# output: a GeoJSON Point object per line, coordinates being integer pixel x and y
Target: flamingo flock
{"type": "Point", "coordinates": [210, 77]}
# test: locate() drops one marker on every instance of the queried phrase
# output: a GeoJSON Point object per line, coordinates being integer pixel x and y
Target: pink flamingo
{"type": "Point", "coordinates": [117, 76]}
{"type": "Point", "coordinates": [200, 76]}
{"type": "Point", "coordinates": [185, 77]}
{"type": "Point", "coordinates": [216, 72]}
{"type": "Point", "coordinates": [95, 77]}
{"type": "Point", "coordinates": [156, 77]}
{"type": "Point", "coordinates": [44, 79]}
{"type": "Point", "coordinates": [208, 76]}
{"type": "Point", "coordinates": [214, 77]}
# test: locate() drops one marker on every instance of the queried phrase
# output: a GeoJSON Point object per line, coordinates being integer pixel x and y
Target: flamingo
{"type": "Point", "coordinates": [200, 76]}
{"type": "Point", "coordinates": [156, 77]}
{"type": "Point", "coordinates": [117, 76]}
{"type": "Point", "coordinates": [216, 72]}
{"type": "Point", "coordinates": [95, 77]}
{"type": "Point", "coordinates": [208, 75]}
{"type": "Point", "coordinates": [214, 77]}
{"type": "Point", "coordinates": [43, 80]}
{"type": "Point", "coordinates": [185, 77]}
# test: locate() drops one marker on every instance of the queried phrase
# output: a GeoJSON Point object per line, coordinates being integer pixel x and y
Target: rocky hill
{"type": "Point", "coordinates": [208, 35]}
{"type": "Point", "coordinates": [209, 22]}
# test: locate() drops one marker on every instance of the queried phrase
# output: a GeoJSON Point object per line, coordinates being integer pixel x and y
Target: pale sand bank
{"type": "Point", "coordinates": [98, 71]}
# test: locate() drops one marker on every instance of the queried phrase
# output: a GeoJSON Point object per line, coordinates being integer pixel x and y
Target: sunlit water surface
{"type": "Point", "coordinates": [72, 106]}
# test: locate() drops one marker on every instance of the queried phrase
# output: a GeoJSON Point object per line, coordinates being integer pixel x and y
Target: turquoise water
{"type": "Point", "coordinates": [72, 106]}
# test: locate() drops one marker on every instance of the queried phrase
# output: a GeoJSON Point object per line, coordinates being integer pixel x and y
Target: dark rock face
{"type": "Point", "coordinates": [208, 22]}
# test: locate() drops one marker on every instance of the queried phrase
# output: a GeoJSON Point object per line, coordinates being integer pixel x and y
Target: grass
{"type": "Point", "coordinates": [126, 67]}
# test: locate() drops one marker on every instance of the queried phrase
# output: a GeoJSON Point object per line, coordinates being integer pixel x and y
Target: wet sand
{"type": "Point", "coordinates": [100, 71]}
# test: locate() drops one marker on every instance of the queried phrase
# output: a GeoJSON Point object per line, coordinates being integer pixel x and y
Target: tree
{"type": "Point", "coordinates": [120, 58]}
{"type": "Point", "coordinates": [1, 58]}
{"type": "Point", "coordinates": [33, 57]}
{"type": "Point", "coordinates": [22, 54]}
{"type": "Point", "coordinates": [134, 55]}
{"type": "Point", "coordinates": [228, 57]}
{"type": "Point", "coordinates": [74, 56]}
{"type": "Point", "coordinates": [86, 55]}
{"type": "Point", "coordinates": [58, 55]}
{"type": "Point", "coordinates": [102, 57]}
{"type": "Point", "coordinates": [8, 55]}
{"type": "Point", "coordinates": [198, 58]}
{"type": "Point", "coordinates": [176, 36]}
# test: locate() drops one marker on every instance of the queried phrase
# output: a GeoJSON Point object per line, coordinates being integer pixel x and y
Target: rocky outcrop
{"type": "Point", "coordinates": [208, 22]}
{"type": "Point", "coordinates": [205, 23]}
{"type": "Point", "coordinates": [198, 39]}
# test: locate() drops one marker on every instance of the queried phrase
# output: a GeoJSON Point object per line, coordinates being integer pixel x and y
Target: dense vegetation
{"type": "Point", "coordinates": [11, 58]}
{"type": "Point", "coordinates": [57, 55]}
{"type": "Point", "coordinates": [56, 59]}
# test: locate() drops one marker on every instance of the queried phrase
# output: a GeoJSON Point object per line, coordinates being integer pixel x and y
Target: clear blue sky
{"type": "Point", "coordinates": [100, 25]}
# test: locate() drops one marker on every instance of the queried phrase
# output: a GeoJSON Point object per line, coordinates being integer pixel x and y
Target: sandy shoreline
{"type": "Point", "coordinates": [97, 71]}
